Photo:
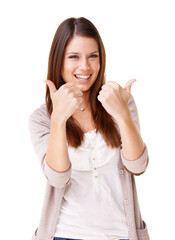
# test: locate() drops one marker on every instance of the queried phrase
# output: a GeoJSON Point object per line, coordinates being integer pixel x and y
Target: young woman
{"type": "Point", "coordinates": [87, 139]}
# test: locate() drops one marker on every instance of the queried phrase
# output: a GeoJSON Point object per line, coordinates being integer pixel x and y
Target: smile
{"type": "Point", "coordinates": [83, 77]}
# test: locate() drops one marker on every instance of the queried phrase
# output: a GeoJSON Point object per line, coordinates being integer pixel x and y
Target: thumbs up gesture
{"type": "Point", "coordinates": [65, 100]}
{"type": "Point", "coordinates": [115, 99]}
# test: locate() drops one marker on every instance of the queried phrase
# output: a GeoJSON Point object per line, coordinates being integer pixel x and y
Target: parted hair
{"type": "Point", "coordinates": [103, 121]}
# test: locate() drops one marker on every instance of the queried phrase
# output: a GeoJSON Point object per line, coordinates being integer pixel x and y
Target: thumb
{"type": "Point", "coordinates": [129, 85]}
{"type": "Point", "coordinates": [51, 86]}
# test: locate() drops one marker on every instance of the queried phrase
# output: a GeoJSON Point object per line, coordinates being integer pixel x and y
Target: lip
{"type": "Point", "coordinates": [83, 80]}
{"type": "Point", "coordinates": [83, 74]}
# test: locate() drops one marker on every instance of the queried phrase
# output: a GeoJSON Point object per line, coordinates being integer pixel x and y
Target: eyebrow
{"type": "Point", "coordinates": [77, 52]}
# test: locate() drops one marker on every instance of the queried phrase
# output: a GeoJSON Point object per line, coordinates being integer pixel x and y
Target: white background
{"type": "Point", "coordinates": [140, 43]}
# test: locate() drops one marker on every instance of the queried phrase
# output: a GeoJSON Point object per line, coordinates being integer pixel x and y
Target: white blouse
{"type": "Point", "coordinates": [92, 206]}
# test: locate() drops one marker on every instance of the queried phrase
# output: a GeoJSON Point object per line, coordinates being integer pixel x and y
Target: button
{"type": "Point", "coordinates": [92, 148]}
{"type": "Point", "coordinates": [121, 171]}
{"type": "Point", "coordinates": [130, 228]}
{"type": "Point", "coordinates": [126, 201]}
{"type": "Point", "coordinates": [93, 158]}
{"type": "Point", "coordinates": [95, 168]}
{"type": "Point", "coordinates": [96, 176]}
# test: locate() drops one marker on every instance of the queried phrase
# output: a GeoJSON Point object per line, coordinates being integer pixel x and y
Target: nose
{"type": "Point", "coordinates": [84, 64]}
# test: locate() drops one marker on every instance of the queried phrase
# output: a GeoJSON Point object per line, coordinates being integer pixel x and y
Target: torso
{"type": "Point", "coordinates": [84, 120]}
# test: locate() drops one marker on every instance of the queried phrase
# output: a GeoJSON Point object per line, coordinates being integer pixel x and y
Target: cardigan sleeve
{"type": "Point", "coordinates": [139, 165]}
{"type": "Point", "coordinates": [39, 128]}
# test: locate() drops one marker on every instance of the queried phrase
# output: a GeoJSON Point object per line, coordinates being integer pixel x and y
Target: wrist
{"type": "Point", "coordinates": [57, 119]}
{"type": "Point", "coordinates": [124, 118]}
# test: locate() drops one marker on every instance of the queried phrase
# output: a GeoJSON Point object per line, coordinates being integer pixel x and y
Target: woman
{"type": "Point", "coordinates": [87, 139]}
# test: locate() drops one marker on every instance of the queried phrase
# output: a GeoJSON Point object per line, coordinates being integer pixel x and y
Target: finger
{"type": "Point", "coordinates": [103, 93]}
{"type": "Point", "coordinates": [112, 83]}
{"type": "Point", "coordinates": [51, 86]}
{"type": "Point", "coordinates": [80, 100]}
{"type": "Point", "coordinates": [73, 89]}
{"type": "Point", "coordinates": [129, 85]}
{"type": "Point", "coordinates": [69, 84]}
{"type": "Point", "coordinates": [109, 89]}
{"type": "Point", "coordinates": [100, 98]}
{"type": "Point", "coordinates": [106, 86]}
{"type": "Point", "coordinates": [78, 93]}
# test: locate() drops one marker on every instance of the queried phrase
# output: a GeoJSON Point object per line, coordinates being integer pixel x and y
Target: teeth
{"type": "Point", "coordinates": [82, 76]}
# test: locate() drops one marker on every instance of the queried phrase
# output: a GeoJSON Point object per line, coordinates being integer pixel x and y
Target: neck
{"type": "Point", "coordinates": [85, 100]}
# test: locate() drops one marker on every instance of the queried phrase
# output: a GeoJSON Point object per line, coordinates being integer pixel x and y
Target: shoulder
{"type": "Point", "coordinates": [39, 116]}
{"type": "Point", "coordinates": [40, 112]}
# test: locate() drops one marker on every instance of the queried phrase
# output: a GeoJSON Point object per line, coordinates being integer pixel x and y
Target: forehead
{"type": "Point", "coordinates": [82, 43]}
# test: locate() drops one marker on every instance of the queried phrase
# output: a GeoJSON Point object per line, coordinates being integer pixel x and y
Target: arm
{"type": "Point", "coordinates": [132, 143]}
{"type": "Point", "coordinates": [57, 153]}
{"type": "Point", "coordinates": [49, 135]}
{"type": "Point", "coordinates": [39, 127]}
{"type": "Point", "coordinates": [119, 103]}
{"type": "Point", "coordinates": [65, 101]}
{"type": "Point", "coordinates": [134, 152]}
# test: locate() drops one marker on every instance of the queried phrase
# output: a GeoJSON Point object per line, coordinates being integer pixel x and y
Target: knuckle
{"type": "Point", "coordinates": [68, 91]}
{"type": "Point", "coordinates": [81, 93]}
{"type": "Point", "coordinates": [79, 99]}
{"type": "Point", "coordinates": [71, 94]}
{"type": "Point", "coordinates": [105, 99]}
{"type": "Point", "coordinates": [111, 90]}
{"type": "Point", "coordinates": [117, 86]}
{"type": "Point", "coordinates": [64, 85]}
{"type": "Point", "coordinates": [74, 101]}
{"type": "Point", "coordinates": [64, 88]}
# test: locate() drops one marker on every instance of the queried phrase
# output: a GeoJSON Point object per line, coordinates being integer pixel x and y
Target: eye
{"type": "Point", "coordinates": [73, 56]}
{"type": "Point", "coordinates": [93, 56]}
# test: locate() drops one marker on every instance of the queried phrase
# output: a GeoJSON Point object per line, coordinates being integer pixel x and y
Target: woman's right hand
{"type": "Point", "coordinates": [65, 100]}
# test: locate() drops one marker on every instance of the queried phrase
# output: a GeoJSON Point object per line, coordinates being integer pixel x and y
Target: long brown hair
{"type": "Point", "coordinates": [103, 121]}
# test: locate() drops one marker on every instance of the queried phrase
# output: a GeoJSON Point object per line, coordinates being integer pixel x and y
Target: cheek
{"type": "Point", "coordinates": [97, 67]}
{"type": "Point", "coordinates": [98, 64]}
{"type": "Point", "coordinates": [67, 70]}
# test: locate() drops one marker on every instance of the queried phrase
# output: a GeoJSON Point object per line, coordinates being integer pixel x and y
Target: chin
{"type": "Point", "coordinates": [83, 88]}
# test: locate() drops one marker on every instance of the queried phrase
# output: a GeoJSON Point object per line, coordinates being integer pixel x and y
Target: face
{"type": "Point", "coordinates": [81, 62]}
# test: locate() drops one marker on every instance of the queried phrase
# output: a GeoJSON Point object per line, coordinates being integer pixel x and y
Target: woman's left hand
{"type": "Point", "coordinates": [115, 99]}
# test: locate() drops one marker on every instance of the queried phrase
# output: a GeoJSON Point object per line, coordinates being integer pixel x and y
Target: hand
{"type": "Point", "coordinates": [65, 100]}
{"type": "Point", "coordinates": [115, 99]}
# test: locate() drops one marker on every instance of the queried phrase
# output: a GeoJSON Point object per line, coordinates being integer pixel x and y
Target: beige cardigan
{"type": "Point", "coordinates": [39, 127]}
